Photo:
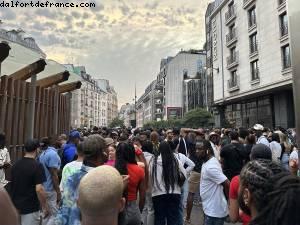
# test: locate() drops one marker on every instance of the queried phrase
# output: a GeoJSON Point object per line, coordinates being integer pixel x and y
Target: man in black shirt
{"type": "Point", "coordinates": [233, 156]}
{"type": "Point", "coordinates": [27, 190]}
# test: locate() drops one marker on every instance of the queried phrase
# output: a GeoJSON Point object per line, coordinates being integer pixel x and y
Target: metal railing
{"type": "Point", "coordinates": [233, 82]}
{"type": "Point", "coordinates": [253, 47]}
{"type": "Point", "coordinates": [230, 13]}
{"type": "Point", "coordinates": [231, 35]}
{"type": "Point", "coordinates": [233, 59]}
{"type": "Point", "coordinates": [284, 29]}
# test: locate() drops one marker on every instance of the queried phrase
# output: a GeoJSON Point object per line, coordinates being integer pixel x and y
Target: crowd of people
{"type": "Point", "coordinates": [153, 176]}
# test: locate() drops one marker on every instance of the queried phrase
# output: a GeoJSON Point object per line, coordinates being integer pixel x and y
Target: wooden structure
{"type": "Point", "coordinates": [40, 106]}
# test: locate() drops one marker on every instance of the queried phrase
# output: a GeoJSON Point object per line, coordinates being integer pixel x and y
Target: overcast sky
{"type": "Point", "coordinates": [120, 40]}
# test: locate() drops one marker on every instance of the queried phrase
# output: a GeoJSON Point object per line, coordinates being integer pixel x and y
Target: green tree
{"type": "Point", "coordinates": [196, 118]}
{"type": "Point", "coordinates": [116, 122]}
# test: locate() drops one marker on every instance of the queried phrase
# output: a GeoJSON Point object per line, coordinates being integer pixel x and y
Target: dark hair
{"type": "Point", "coordinates": [125, 154]}
{"type": "Point", "coordinates": [251, 139]}
{"type": "Point", "coordinates": [31, 145]}
{"type": "Point", "coordinates": [2, 140]}
{"type": "Point", "coordinates": [256, 176]}
{"type": "Point", "coordinates": [275, 137]}
{"type": "Point", "coordinates": [45, 142]}
{"type": "Point", "coordinates": [80, 148]}
{"type": "Point", "coordinates": [282, 199]}
{"type": "Point", "coordinates": [170, 168]}
{"type": "Point", "coordinates": [234, 135]}
{"type": "Point", "coordinates": [147, 146]}
{"type": "Point", "coordinates": [206, 144]}
{"type": "Point", "coordinates": [260, 151]}
{"type": "Point", "coordinates": [243, 132]}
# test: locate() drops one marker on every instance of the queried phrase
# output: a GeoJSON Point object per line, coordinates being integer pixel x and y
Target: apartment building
{"type": "Point", "coordinates": [250, 59]}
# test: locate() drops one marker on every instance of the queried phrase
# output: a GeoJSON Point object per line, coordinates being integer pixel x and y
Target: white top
{"type": "Point", "coordinates": [158, 187]}
{"type": "Point", "coordinates": [263, 140]}
{"type": "Point", "coordinates": [276, 151]}
{"type": "Point", "coordinates": [185, 160]}
{"type": "Point", "coordinates": [4, 158]}
{"type": "Point", "coordinates": [294, 155]}
{"type": "Point", "coordinates": [211, 191]}
{"type": "Point", "coordinates": [69, 169]}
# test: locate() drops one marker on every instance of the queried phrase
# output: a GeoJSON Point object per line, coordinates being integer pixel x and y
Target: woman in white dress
{"type": "Point", "coordinates": [4, 160]}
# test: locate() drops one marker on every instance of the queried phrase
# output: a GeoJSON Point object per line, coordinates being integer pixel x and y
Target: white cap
{"type": "Point", "coordinates": [258, 127]}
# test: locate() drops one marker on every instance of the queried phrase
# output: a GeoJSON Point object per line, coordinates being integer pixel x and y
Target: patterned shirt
{"type": "Point", "coordinates": [69, 213]}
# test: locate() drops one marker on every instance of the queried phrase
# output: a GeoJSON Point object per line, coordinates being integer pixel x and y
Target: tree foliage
{"type": "Point", "coordinates": [116, 122]}
{"type": "Point", "coordinates": [195, 118]}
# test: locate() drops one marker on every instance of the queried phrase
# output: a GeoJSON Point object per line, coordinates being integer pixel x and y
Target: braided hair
{"type": "Point", "coordinates": [283, 202]}
{"type": "Point", "coordinates": [274, 192]}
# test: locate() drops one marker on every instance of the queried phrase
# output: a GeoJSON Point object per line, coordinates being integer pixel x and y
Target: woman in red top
{"type": "Point", "coordinates": [127, 165]}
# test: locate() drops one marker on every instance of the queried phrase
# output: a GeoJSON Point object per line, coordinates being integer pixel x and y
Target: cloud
{"type": "Point", "coordinates": [99, 7]}
{"type": "Point", "coordinates": [47, 13]}
{"type": "Point", "coordinates": [7, 14]}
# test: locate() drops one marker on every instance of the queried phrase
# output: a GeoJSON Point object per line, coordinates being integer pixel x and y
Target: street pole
{"type": "Point", "coordinates": [294, 34]}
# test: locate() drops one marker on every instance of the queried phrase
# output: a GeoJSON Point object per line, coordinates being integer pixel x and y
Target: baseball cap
{"type": "Point", "coordinates": [213, 134]}
{"type": "Point", "coordinates": [74, 134]}
{"type": "Point", "coordinates": [261, 151]}
{"type": "Point", "coordinates": [258, 127]}
{"type": "Point", "coordinates": [169, 131]}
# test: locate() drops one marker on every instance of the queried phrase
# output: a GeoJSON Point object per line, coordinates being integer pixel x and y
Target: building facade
{"type": "Point", "coordinates": [95, 103]}
{"type": "Point", "coordinates": [250, 51]}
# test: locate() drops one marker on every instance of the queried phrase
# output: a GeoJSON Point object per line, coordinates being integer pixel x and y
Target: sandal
{"type": "Point", "coordinates": [187, 221]}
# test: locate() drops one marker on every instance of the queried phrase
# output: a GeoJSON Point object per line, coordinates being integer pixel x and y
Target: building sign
{"type": "Point", "coordinates": [174, 113]}
{"type": "Point", "coordinates": [215, 39]}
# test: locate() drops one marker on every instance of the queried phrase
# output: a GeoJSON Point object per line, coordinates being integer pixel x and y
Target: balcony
{"type": "Point", "coordinates": [284, 30]}
{"type": "Point", "coordinates": [233, 84]}
{"type": "Point", "coordinates": [232, 60]}
{"type": "Point", "coordinates": [247, 3]}
{"type": "Point", "coordinates": [281, 2]}
{"type": "Point", "coordinates": [159, 87]}
{"type": "Point", "coordinates": [158, 103]}
{"type": "Point", "coordinates": [231, 37]}
{"type": "Point", "coordinates": [158, 95]}
{"type": "Point", "coordinates": [230, 15]}
{"type": "Point", "coordinates": [253, 49]}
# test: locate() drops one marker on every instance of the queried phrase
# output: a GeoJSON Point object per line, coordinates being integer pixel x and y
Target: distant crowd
{"type": "Point", "coordinates": [118, 176]}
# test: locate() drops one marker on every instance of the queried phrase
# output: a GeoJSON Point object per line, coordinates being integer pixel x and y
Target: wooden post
{"type": "Point", "coordinates": [31, 108]}
{"type": "Point", "coordinates": [30, 70]}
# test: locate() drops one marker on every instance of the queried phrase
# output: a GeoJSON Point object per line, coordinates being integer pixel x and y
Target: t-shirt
{"type": "Point", "coordinates": [233, 194]}
{"type": "Point", "coordinates": [233, 156]}
{"type": "Point", "coordinates": [136, 175]}
{"type": "Point", "coordinates": [276, 151]}
{"type": "Point", "coordinates": [69, 170]}
{"type": "Point", "coordinates": [26, 174]}
{"type": "Point", "coordinates": [211, 191]}
{"type": "Point", "coordinates": [49, 159]}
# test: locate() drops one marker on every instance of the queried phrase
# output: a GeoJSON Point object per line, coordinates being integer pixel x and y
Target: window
{"type": "Point", "coordinates": [254, 70]}
{"type": "Point", "coordinates": [286, 59]}
{"type": "Point", "coordinates": [253, 43]}
{"type": "Point", "coordinates": [252, 16]}
{"type": "Point", "coordinates": [283, 24]}
{"type": "Point", "coordinates": [233, 79]}
{"type": "Point", "coordinates": [281, 2]}
{"type": "Point", "coordinates": [233, 54]}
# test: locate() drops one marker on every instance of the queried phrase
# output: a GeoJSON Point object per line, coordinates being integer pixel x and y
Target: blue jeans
{"type": "Point", "coordinates": [208, 220]}
{"type": "Point", "coordinates": [167, 209]}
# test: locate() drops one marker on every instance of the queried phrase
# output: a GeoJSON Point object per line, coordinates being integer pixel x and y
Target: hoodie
{"type": "Point", "coordinates": [158, 186]}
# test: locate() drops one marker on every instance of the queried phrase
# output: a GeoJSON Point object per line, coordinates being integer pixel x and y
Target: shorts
{"type": "Point", "coordinates": [194, 182]}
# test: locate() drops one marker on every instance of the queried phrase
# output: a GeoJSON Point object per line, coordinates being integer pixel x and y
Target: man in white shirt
{"type": "Point", "coordinates": [261, 139]}
{"type": "Point", "coordinates": [213, 184]}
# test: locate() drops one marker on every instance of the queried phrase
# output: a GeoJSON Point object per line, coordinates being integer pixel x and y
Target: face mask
{"type": "Point", "coordinates": [242, 204]}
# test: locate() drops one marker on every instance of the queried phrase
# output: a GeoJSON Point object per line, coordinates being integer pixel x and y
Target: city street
{"type": "Point", "coordinates": [197, 217]}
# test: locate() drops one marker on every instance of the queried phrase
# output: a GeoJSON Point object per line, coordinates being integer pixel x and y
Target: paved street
{"type": "Point", "coordinates": [197, 217]}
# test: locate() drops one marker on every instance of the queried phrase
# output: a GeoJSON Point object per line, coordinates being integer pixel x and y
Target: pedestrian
{"type": "Point", "coordinates": [4, 160]}
{"type": "Point", "coordinates": [189, 166]}
{"type": "Point", "coordinates": [250, 142]}
{"type": "Point", "coordinates": [154, 138]}
{"type": "Point", "coordinates": [214, 186]}
{"type": "Point", "coordinates": [51, 163]}
{"type": "Point", "coordinates": [193, 181]}
{"type": "Point", "coordinates": [233, 156]}
{"type": "Point", "coordinates": [269, 194]}
{"type": "Point", "coordinates": [261, 139]}
{"type": "Point", "coordinates": [214, 139]}
{"type": "Point", "coordinates": [260, 151]}
{"type": "Point", "coordinates": [127, 165]}
{"type": "Point", "coordinates": [95, 154]}
{"type": "Point", "coordinates": [167, 176]}
{"type": "Point", "coordinates": [72, 167]}
{"type": "Point", "coordinates": [286, 150]}
{"type": "Point", "coordinates": [26, 187]}
{"type": "Point", "coordinates": [169, 139]}
{"type": "Point", "coordinates": [100, 196]}
{"type": "Point", "coordinates": [69, 151]}
{"type": "Point", "coordinates": [275, 147]}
